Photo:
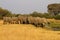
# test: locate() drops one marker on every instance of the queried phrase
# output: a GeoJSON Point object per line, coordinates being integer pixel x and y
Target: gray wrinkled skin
{"type": "Point", "coordinates": [37, 21]}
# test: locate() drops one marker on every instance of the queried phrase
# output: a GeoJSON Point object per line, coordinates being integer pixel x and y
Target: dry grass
{"type": "Point", "coordinates": [1, 22]}
{"type": "Point", "coordinates": [26, 32]}
{"type": "Point", "coordinates": [57, 21]}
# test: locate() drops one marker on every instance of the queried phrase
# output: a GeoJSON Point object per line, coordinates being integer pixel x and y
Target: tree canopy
{"type": "Point", "coordinates": [54, 9]}
{"type": "Point", "coordinates": [4, 12]}
{"type": "Point", "coordinates": [53, 12]}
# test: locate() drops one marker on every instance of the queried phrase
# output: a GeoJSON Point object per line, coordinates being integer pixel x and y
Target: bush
{"type": "Point", "coordinates": [4, 12]}
{"type": "Point", "coordinates": [57, 17]}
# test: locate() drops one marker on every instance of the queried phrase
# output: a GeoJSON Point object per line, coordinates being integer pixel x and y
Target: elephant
{"type": "Point", "coordinates": [14, 20]}
{"type": "Point", "coordinates": [6, 20]}
{"type": "Point", "coordinates": [20, 19]}
{"type": "Point", "coordinates": [30, 20]}
{"type": "Point", "coordinates": [23, 19]}
{"type": "Point", "coordinates": [37, 22]}
{"type": "Point", "coordinates": [34, 21]}
{"type": "Point", "coordinates": [10, 20]}
{"type": "Point", "coordinates": [45, 22]}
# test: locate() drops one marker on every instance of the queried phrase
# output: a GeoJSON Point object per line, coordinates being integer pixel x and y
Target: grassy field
{"type": "Point", "coordinates": [26, 32]}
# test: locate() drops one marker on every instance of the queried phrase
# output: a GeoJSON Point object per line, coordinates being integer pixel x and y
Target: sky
{"type": "Point", "coordinates": [26, 6]}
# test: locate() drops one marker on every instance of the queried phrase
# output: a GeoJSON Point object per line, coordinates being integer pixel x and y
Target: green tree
{"type": "Point", "coordinates": [57, 17]}
{"type": "Point", "coordinates": [4, 12]}
{"type": "Point", "coordinates": [36, 14]}
{"type": "Point", "coordinates": [47, 15]}
{"type": "Point", "coordinates": [54, 9]}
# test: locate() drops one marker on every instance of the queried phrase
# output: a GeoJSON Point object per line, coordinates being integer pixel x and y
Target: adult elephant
{"type": "Point", "coordinates": [37, 22]}
{"type": "Point", "coordinates": [22, 19]}
{"type": "Point", "coordinates": [45, 22]}
{"type": "Point", "coordinates": [14, 20]}
{"type": "Point", "coordinates": [40, 22]}
{"type": "Point", "coordinates": [6, 20]}
{"type": "Point", "coordinates": [30, 20]}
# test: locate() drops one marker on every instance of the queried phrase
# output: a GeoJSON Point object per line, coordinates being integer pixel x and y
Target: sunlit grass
{"type": "Point", "coordinates": [26, 32]}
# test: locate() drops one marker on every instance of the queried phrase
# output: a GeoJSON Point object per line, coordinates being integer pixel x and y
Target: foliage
{"type": "Point", "coordinates": [47, 15]}
{"type": "Point", "coordinates": [4, 12]}
{"type": "Point", "coordinates": [54, 9]}
{"type": "Point", "coordinates": [36, 14]}
{"type": "Point", "coordinates": [57, 17]}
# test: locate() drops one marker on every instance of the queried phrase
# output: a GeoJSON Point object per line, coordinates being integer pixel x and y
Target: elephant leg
{"type": "Point", "coordinates": [4, 22]}
{"type": "Point", "coordinates": [27, 22]}
{"type": "Point", "coordinates": [42, 25]}
{"type": "Point", "coordinates": [21, 22]}
{"type": "Point", "coordinates": [18, 22]}
{"type": "Point", "coordinates": [34, 24]}
{"type": "Point", "coordinates": [12, 22]}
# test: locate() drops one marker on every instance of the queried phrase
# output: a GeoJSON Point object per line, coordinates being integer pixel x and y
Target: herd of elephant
{"type": "Point", "coordinates": [37, 21]}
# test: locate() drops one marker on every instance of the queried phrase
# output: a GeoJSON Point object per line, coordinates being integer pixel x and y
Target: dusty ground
{"type": "Point", "coordinates": [26, 32]}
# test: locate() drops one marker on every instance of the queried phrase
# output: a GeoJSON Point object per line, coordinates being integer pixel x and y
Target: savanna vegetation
{"type": "Point", "coordinates": [53, 12]}
{"type": "Point", "coordinates": [20, 29]}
